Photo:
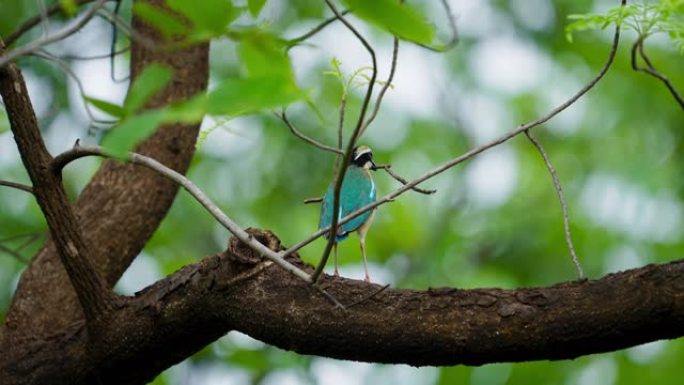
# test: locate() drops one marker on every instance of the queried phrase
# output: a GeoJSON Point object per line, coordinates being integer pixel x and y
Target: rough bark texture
{"type": "Point", "coordinates": [236, 291]}
{"type": "Point", "coordinates": [122, 206]}
{"type": "Point", "coordinates": [73, 252]}
{"type": "Point", "coordinates": [45, 339]}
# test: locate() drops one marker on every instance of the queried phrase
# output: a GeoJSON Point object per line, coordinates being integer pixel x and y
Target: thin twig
{"type": "Point", "coordinates": [329, 296]}
{"type": "Point", "coordinates": [400, 179]}
{"type": "Point", "coordinates": [59, 35]}
{"type": "Point", "coordinates": [70, 73]}
{"type": "Point", "coordinates": [313, 200]}
{"type": "Point", "coordinates": [112, 49]}
{"type": "Point", "coordinates": [340, 130]}
{"type": "Point", "coordinates": [132, 34]}
{"type": "Point", "coordinates": [388, 84]}
{"type": "Point", "coordinates": [295, 41]}
{"type": "Point", "coordinates": [17, 186]}
{"type": "Point", "coordinates": [297, 133]}
{"type": "Point", "coordinates": [561, 199]}
{"type": "Point", "coordinates": [44, 22]}
{"type": "Point", "coordinates": [369, 296]}
{"type": "Point", "coordinates": [650, 70]}
{"type": "Point", "coordinates": [350, 146]}
{"type": "Point", "coordinates": [95, 57]}
{"type": "Point", "coordinates": [77, 151]}
{"type": "Point", "coordinates": [13, 253]}
{"type": "Point", "coordinates": [453, 40]}
{"type": "Point", "coordinates": [35, 20]}
{"type": "Point", "coordinates": [471, 153]}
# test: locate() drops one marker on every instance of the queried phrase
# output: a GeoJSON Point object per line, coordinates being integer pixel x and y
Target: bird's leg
{"type": "Point", "coordinates": [337, 272]}
{"type": "Point", "coordinates": [362, 242]}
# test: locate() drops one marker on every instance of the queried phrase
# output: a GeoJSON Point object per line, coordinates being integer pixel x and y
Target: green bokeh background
{"type": "Point", "coordinates": [620, 165]}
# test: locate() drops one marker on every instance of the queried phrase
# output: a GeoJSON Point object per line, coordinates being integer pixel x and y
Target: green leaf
{"type": "Point", "coordinates": [107, 107]}
{"type": "Point", "coordinates": [255, 6]}
{"type": "Point", "coordinates": [242, 96]}
{"type": "Point", "coordinates": [131, 131]}
{"type": "Point", "coordinates": [69, 7]}
{"type": "Point", "coordinates": [210, 18]}
{"type": "Point", "coordinates": [264, 55]}
{"type": "Point", "coordinates": [166, 23]}
{"type": "Point", "coordinates": [153, 78]}
{"type": "Point", "coordinates": [400, 19]}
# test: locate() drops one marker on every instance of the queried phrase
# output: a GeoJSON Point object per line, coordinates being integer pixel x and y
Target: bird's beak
{"type": "Point", "coordinates": [373, 167]}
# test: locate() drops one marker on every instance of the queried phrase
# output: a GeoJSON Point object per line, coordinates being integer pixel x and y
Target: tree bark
{"type": "Point", "coordinates": [123, 204]}
{"type": "Point", "coordinates": [236, 290]}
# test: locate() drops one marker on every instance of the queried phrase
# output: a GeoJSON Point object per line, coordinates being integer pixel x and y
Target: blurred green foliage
{"type": "Point", "coordinates": [618, 153]}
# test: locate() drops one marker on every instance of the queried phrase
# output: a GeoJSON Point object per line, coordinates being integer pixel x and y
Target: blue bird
{"type": "Point", "coordinates": [358, 190]}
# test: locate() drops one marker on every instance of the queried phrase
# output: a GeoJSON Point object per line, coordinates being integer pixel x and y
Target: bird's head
{"type": "Point", "coordinates": [362, 156]}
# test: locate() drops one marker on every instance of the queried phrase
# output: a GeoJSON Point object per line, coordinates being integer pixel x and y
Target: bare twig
{"type": "Point", "coordinates": [454, 32]}
{"type": "Point", "coordinates": [297, 133]}
{"type": "Point", "coordinates": [388, 84]}
{"type": "Point", "coordinates": [69, 72]}
{"type": "Point", "coordinates": [17, 186]}
{"type": "Point", "coordinates": [313, 200]}
{"type": "Point", "coordinates": [295, 41]}
{"type": "Point", "coordinates": [59, 35]}
{"type": "Point", "coordinates": [471, 153]}
{"type": "Point", "coordinates": [650, 70]}
{"type": "Point", "coordinates": [367, 297]}
{"type": "Point", "coordinates": [350, 146]}
{"type": "Point", "coordinates": [112, 48]}
{"type": "Point", "coordinates": [35, 20]}
{"type": "Point", "coordinates": [340, 130]}
{"type": "Point", "coordinates": [78, 152]}
{"type": "Point", "coordinates": [13, 253]}
{"type": "Point", "coordinates": [561, 199]}
{"type": "Point", "coordinates": [96, 57]}
{"type": "Point", "coordinates": [43, 16]}
{"type": "Point", "coordinates": [400, 179]}
{"type": "Point", "coordinates": [132, 34]}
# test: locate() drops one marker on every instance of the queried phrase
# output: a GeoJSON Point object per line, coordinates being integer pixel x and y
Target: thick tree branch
{"type": "Point", "coordinates": [123, 204]}
{"type": "Point", "coordinates": [440, 326]}
{"type": "Point", "coordinates": [93, 295]}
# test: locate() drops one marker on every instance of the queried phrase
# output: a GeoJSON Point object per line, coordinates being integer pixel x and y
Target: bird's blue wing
{"type": "Point", "coordinates": [358, 190]}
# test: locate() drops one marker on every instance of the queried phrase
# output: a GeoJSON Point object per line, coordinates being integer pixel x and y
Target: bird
{"type": "Point", "coordinates": [358, 190]}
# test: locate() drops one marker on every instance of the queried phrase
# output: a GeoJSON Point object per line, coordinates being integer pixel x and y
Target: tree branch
{"type": "Point", "coordinates": [17, 186]}
{"type": "Point", "coordinates": [650, 70]}
{"type": "Point", "coordinates": [440, 326]}
{"type": "Point", "coordinates": [35, 20]}
{"type": "Point", "coordinates": [561, 200]}
{"type": "Point", "coordinates": [93, 295]}
{"type": "Point", "coordinates": [79, 152]}
{"type": "Point", "coordinates": [311, 141]}
{"type": "Point", "coordinates": [123, 204]}
{"type": "Point", "coordinates": [33, 46]}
